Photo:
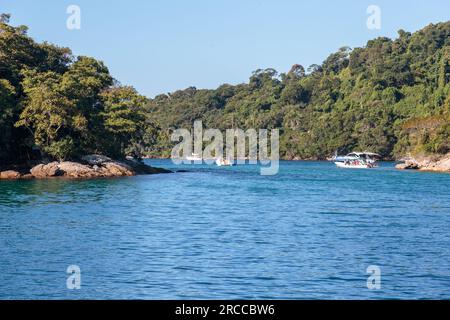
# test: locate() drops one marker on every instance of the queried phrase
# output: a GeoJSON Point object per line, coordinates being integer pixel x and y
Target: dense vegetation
{"type": "Point", "coordinates": [58, 106]}
{"type": "Point", "coordinates": [391, 97]}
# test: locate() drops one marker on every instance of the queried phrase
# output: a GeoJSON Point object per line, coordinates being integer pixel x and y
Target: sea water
{"type": "Point", "coordinates": [309, 232]}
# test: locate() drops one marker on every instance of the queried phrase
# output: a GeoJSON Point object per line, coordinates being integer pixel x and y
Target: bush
{"type": "Point", "coordinates": [61, 150]}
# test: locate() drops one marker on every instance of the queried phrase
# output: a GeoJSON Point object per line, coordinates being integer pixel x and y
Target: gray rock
{"type": "Point", "coordinates": [96, 159]}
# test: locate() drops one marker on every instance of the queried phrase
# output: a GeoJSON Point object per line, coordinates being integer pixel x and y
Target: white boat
{"type": "Point", "coordinates": [357, 160]}
{"type": "Point", "coordinates": [224, 162]}
{"type": "Point", "coordinates": [194, 157]}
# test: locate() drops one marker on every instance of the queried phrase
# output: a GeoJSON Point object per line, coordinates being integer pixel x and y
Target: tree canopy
{"type": "Point", "coordinates": [376, 98]}
{"type": "Point", "coordinates": [56, 105]}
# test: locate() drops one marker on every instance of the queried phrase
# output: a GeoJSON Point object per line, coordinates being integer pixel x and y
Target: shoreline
{"type": "Point", "coordinates": [88, 167]}
{"type": "Point", "coordinates": [426, 163]}
{"type": "Point", "coordinates": [97, 166]}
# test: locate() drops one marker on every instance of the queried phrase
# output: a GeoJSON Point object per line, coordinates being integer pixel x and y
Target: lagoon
{"type": "Point", "coordinates": [309, 232]}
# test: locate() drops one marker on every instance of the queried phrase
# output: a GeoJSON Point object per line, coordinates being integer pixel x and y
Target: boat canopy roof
{"type": "Point", "coordinates": [370, 154]}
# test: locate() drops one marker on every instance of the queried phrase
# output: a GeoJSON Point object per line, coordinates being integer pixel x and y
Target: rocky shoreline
{"type": "Point", "coordinates": [92, 166]}
{"type": "Point", "coordinates": [426, 163]}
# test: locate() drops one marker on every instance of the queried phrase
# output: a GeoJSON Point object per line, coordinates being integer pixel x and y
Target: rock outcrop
{"type": "Point", "coordinates": [436, 164]}
{"type": "Point", "coordinates": [46, 170]}
{"type": "Point", "coordinates": [92, 166]}
{"type": "Point", "coordinates": [117, 169]}
{"type": "Point", "coordinates": [427, 163]}
{"type": "Point", "coordinates": [407, 165]}
{"type": "Point", "coordinates": [78, 170]}
{"type": "Point", "coordinates": [9, 175]}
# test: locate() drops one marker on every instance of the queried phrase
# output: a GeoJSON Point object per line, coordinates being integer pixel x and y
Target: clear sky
{"type": "Point", "coordinates": [164, 45]}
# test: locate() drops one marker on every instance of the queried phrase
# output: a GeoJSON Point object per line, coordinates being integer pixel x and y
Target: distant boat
{"type": "Point", "coordinates": [194, 157]}
{"type": "Point", "coordinates": [357, 160]}
{"type": "Point", "coordinates": [224, 162]}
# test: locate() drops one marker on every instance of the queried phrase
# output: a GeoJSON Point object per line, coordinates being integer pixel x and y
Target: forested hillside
{"type": "Point", "coordinates": [390, 97]}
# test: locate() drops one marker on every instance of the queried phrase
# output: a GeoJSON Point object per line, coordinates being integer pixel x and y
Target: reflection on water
{"type": "Point", "coordinates": [309, 232]}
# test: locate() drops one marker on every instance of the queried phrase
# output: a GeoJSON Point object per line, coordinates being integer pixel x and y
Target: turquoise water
{"type": "Point", "coordinates": [309, 232]}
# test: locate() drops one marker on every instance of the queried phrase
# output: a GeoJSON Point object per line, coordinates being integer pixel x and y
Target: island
{"type": "Point", "coordinates": [391, 97]}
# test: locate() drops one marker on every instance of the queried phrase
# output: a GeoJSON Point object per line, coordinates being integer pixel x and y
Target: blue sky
{"type": "Point", "coordinates": [161, 46]}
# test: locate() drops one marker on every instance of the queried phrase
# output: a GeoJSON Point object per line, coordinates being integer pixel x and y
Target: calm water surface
{"type": "Point", "coordinates": [309, 232]}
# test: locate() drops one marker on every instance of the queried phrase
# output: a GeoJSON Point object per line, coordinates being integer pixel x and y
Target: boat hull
{"type": "Point", "coordinates": [354, 166]}
{"type": "Point", "coordinates": [224, 163]}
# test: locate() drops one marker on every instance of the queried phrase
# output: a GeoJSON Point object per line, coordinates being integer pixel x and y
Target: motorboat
{"type": "Point", "coordinates": [194, 157]}
{"type": "Point", "coordinates": [224, 162]}
{"type": "Point", "coordinates": [357, 160]}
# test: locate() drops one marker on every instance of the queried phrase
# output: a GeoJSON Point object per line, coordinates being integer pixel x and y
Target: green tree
{"type": "Point", "coordinates": [7, 106]}
{"type": "Point", "coordinates": [49, 115]}
{"type": "Point", "coordinates": [124, 119]}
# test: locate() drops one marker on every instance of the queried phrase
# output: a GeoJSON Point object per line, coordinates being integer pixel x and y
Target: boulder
{"type": "Point", "coordinates": [117, 169]}
{"type": "Point", "coordinates": [46, 170]}
{"type": "Point", "coordinates": [96, 159]}
{"type": "Point", "coordinates": [9, 174]}
{"type": "Point", "coordinates": [408, 165]}
{"type": "Point", "coordinates": [38, 171]}
{"type": "Point", "coordinates": [77, 170]}
{"type": "Point", "coordinates": [401, 166]}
